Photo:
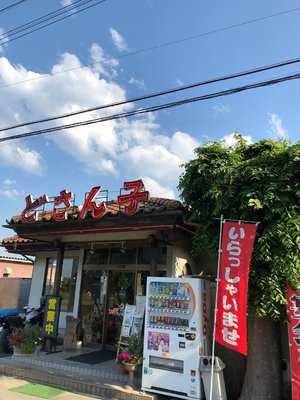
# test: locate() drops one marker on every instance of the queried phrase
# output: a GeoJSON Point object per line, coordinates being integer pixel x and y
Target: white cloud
{"type": "Point", "coordinates": [19, 156]}
{"type": "Point", "coordinates": [106, 66]}
{"type": "Point", "coordinates": [66, 2]}
{"type": "Point", "coordinates": [221, 108]}
{"type": "Point", "coordinates": [131, 147]}
{"type": "Point", "coordinates": [179, 82]}
{"type": "Point", "coordinates": [10, 193]}
{"type": "Point", "coordinates": [118, 40]}
{"type": "Point", "coordinates": [230, 140]}
{"type": "Point", "coordinates": [140, 83]}
{"type": "Point", "coordinates": [8, 182]}
{"type": "Point", "coordinates": [157, 190]}
{"type": "Point", "coordinates": [276, 126]}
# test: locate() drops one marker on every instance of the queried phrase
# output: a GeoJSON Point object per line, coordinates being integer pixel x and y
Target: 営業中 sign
{"type": "Point", "coordinates": [51, 316]}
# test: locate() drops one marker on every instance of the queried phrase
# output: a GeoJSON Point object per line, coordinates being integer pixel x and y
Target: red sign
{"type": "Point", "coordinates": [131, 200]}
{"type": "Point", "coordinates": [63, 202]}
{"type": "Point", "coordinates": [294, 339]}
{"type": "Point", "coordinates": [29, 214]}
{"type": "Point", "coordinates": [97, 211]}
{"type": "Point", "coordinates": [231, 323]}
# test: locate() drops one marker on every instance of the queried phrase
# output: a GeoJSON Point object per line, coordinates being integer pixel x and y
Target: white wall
{"type": "Point", "coordinates": [37, 281]}
{"type": "Point", "coordinates": [180, 258]}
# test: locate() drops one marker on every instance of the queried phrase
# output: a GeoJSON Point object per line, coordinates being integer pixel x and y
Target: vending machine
{"type": "Point", "coordinates": [176, 335]}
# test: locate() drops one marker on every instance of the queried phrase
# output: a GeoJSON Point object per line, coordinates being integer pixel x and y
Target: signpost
{"type": "Point", "coordinates": [293, 312]}
{"type": "Point", "coordinates": [236, 241]}
{"type": "Point", "coordinates": [51, 318]}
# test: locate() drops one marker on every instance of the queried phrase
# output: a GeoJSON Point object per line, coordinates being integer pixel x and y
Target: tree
{"type": "Point", "coordinates": [257, 182]}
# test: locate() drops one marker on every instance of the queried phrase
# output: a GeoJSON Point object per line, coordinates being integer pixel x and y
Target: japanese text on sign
{"type": "Point", "coordinates": [51, 317]}
{"type": "Point", "coordinates": [231, 323]}
{"type": "Point", "coordinates": [63, 202]}
{"type": "Point", "coordinates": [294, 339]}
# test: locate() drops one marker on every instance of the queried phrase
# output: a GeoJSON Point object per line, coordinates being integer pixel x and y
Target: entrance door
{"type": "Point", "coordinates": [92, 305]}
{"type": "Point", "coordinates": [121, 291]}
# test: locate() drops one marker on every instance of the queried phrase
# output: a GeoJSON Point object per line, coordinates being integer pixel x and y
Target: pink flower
{"type": "Point", "coordinates": [124, 356]}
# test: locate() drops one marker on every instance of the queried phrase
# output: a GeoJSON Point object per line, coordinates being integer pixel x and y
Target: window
{"type": "Point", "coordinates": [150, 255]}
{"type": "Point", "coordinates": [123, 256]}
{"type": "Point", "coordinates": [67, 282]}
{"type": "Point", "coordinates": [49, 276]}
{"type": "Point", "coordinates": [99, 256]}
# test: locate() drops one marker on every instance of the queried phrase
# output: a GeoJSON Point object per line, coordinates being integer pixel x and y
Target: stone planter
{"type": "Point", "coordinates": [130, 369]}
{"type": "Point", "coordinates": [19, 353]}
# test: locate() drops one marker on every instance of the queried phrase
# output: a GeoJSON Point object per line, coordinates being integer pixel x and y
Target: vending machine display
{"type": "Point", "coordinates": [176, 335]}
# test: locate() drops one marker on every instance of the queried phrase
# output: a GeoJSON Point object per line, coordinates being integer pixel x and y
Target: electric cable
{"type": "Point", "coordinates": [158, 94]}
{"type": "Point", "coordinates": [158, 46]}
{"type": "Point", "coordinates": [27, 32]}
{"type": "Point", "coordinates": [213, 31]}
{"type": "Point", "coordinates": [42, 18]}
{"type": "Point", "coordinates": [154, 108]}
{"type": "Point", "coordinates": [11, 6]}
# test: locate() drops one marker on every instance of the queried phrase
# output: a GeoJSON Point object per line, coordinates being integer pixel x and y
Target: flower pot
{"type": "Point", "coordinates": [130, 369]}
{"type": "Point", "coordinates": [19, 353]}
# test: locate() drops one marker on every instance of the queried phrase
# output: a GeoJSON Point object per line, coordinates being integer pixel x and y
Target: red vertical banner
{"type": "Point", "coordinates": [231, 317]}
{"type": "Point", "coordinates": [294, 339]}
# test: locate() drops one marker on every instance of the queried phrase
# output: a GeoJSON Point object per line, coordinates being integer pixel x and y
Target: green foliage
{"type": "Point", "coordinates": [30, 339]}
{"type": "Point", "coordinates": [258, 182]}
{"type": "Point", "coordinates": [135, 345]}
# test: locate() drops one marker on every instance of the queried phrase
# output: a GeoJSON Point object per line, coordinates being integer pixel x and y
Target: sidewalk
{"type": "Point", "coordinates": [7, 383]}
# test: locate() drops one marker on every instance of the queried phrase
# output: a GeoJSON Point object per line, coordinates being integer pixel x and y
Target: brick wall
{"type": "Point", "coordinates": [19, 269]}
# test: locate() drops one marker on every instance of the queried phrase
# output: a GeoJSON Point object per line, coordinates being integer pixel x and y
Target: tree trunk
{"type": "Point", "coordinates": [263, 379]}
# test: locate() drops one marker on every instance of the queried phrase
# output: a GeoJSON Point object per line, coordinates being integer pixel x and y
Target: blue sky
{"type": "Point", "coordinates": [96, 42]}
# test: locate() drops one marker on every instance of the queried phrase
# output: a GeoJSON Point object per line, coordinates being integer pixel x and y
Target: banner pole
{"type": "Point", "coordinates": [215, 313]}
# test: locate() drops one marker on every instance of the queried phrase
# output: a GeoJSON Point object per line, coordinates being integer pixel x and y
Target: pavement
{"type": "Point", "coordinates": [7, 383]}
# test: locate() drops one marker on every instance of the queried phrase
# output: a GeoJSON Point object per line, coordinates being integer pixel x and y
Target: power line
{"type": "Point", "coordinates": [161, 45]}
{"type": "Point", "coordinates": [160, 93]}
{"type": "Point", "coordinates": [154, 108]}
{"type": "Point", "coordinates": [11, 5]}
{"type": "Point", "coordinates": [213, 31]}
{"type": "Point", "coordinates": [42, 18]}
{"type": "Point", "coordinates": [51, 19]}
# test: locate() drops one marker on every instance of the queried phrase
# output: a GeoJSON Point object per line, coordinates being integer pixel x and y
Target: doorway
{"type": "Point", "coordinates": [121, 291]}
{"type": "Point", "coordinates": [104, 295]}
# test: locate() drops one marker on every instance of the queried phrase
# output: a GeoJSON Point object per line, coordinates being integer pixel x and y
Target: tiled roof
{"type": "Point", "coordinates": [14, 258]}
{"type": "Point", "coordinates": [15, 239]}
{"type": "Point", "coordinates": [154, 204]}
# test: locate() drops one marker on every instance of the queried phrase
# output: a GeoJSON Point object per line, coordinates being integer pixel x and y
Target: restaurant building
{"type": "Point", "coordinates": [97, 256]}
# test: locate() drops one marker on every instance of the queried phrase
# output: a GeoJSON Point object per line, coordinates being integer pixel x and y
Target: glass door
{"type": "Point", "coordinates": [121, 291]}
{"type": "Point", "coordinates": [92, 305]}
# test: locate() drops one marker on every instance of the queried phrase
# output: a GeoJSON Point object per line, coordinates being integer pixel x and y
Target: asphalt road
{"type": "Point", "coordinates": [7, 383]}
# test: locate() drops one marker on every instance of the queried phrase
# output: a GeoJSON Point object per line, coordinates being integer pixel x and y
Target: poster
{"type": "Point", "coordinates": [158, 341]}
{"type": "Point", "coordinates": [236, 252]}
{"type": "Point", "coordinates": [293, 312]}
{"type": "Point", "coordinates": [128, 320]}
{"type": "Point", "coordinates": [133, 318]}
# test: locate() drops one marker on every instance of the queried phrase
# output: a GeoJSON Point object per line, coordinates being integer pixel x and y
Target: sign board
{"type": "Point", "coordinates": [231, 322]}
{"type": "Point", "coordinates": [51, 316]}
{"type": "Point", "coordinates": [91, 206]}
{"type": "Point", "coordinates": [133, 318]}
{"type": "Point", "coordinates": [293, 311]}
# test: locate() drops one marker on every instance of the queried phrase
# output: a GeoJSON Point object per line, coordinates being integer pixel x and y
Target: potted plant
{"type": "Point", "coordinates": [132, 356]}
{"type": "Point", "coordinates": [26, 341]}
